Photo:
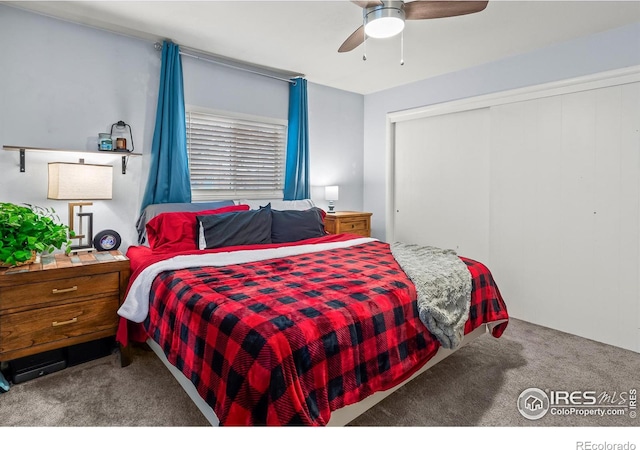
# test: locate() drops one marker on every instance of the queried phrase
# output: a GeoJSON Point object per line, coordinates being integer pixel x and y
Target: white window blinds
{"type": "Point", "coordinates": [235, 158]}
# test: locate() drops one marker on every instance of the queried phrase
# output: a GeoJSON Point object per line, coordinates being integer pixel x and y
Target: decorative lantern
{"type": "Point", "coordinates": [121, 137]}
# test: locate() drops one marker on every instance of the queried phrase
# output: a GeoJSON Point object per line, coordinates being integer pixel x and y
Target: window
{"type": "Point", "coordinates": [235, 157]}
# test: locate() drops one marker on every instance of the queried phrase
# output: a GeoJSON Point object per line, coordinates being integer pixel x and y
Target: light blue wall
{"type": "Point", "coordinates": [61, 84]}
{"type": "Point", "coordinates": [222, 88]}
{"type": "Point", "coordinates": [336, 142]}
{"type": "Point", "coordinates": [600, 52]}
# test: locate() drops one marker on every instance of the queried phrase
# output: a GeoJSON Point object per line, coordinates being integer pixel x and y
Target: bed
{"type": "Point", "coordinates": [285, 327]}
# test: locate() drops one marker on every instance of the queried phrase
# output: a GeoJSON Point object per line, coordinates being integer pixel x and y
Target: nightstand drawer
{"type": "Point", "coordinates": [60, 301]}
{"type": "Point", "coordinates": [57, 323]}
{"type": "Point", "coordinates": [19, 296]}
{"type": "Point", "coordinates": [353, 222]}
{"type": "Point", "coordinates": [354, 226]}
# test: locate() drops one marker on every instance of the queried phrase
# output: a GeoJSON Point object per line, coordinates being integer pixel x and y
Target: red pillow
{"type": "Point", "coordinates": [177, 231]}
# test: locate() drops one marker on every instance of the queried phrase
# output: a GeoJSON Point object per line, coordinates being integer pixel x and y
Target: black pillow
{"type": "Point", "coordinates": [291, 226]}
{"type": "Point", "coordinates": [236, 228]}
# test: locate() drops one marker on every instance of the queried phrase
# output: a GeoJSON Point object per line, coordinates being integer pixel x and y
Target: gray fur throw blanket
{"type": "Point", "coordinates": [443, 285]}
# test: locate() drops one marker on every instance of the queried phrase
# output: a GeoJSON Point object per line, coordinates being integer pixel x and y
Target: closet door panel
{"type": "Point", "coordinates": [564, 221]}
{"type": "Point", "coordinates": [546, 192]}
{"type": "Point", "coordinates": [628, 329]}
{"type": "Point", "coordinates": [608, 203]}
{"type": "Point", "coordinates": [441, 182]}
{"type": "Point", "coordinates": [577, 190]}
{"type": "Point", "coordinates": [543, 267]}
{"type": "Point", "coordinates": [507, 230]}
{"type": "Point", "coordinates": [525, 178]}
{"type": "Point", "coordinates": [419, 183]}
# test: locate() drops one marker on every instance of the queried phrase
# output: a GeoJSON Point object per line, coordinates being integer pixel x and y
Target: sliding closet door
{"type": "Point", "coordinates": [564, 211]}
{"type": "Point", "coordinates": [441, 182]}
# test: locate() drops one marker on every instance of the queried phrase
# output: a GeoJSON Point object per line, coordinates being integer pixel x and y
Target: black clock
{"type": "Point", "coordinates": [107, 240]}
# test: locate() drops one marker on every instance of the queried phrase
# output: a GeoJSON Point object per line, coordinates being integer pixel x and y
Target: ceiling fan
{"type": "Point", "coordinates": [386, 18]}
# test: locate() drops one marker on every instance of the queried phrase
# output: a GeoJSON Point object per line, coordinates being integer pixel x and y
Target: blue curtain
{"type": "Point", "coordinates": [169, 172]}
{"type": "Point", "coordinates": [296, 179]}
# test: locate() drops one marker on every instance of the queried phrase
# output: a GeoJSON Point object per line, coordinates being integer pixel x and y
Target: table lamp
{"type": "Point", "coordinates": [331, 194]}
{"type": "Point", "coordinates": [79, 181]}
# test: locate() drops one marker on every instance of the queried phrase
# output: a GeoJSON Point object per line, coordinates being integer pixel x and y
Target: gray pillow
{"type": "Point", "coordinates": [291, 226]}
{"type": "Point", "coordinates": [152, 211]}
{"type": "Point", "coordinates": [236, 228]}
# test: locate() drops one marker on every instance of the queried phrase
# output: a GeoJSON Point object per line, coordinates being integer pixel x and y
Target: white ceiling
{"type": "Point", "coordinates": [304, 36]}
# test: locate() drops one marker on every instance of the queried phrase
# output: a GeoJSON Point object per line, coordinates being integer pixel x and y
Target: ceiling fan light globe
{"type": "Point", "coordinates": [384, 27]}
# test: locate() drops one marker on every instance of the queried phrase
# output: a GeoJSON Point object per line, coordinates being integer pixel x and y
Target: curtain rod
{"type": "Point", "coordinates": [158, 46]}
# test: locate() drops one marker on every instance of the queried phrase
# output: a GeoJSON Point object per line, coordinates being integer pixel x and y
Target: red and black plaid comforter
{"type": "Point", "coordinates": [287, 341]}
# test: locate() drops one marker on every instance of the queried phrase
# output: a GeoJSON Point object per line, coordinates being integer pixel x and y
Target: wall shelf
{"type": "Point", "coordinates": [24, 149]}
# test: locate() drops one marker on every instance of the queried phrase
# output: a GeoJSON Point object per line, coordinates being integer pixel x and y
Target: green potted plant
{"type": "Point", "coordinates": [28, 230]}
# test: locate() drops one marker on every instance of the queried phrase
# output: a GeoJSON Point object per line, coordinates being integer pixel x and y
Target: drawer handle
{"type": "Point", "coordinates": [66, 322]}
{"type": "Point", "coordinates": [62, 291]}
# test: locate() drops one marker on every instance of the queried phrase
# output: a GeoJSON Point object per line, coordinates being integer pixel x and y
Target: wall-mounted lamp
{"type": "Point", "coordinates": [331, 194]}
{"type": "Point", "coordinates": [70, 181]}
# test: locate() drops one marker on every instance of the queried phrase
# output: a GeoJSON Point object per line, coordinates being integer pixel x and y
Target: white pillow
{"type": "Point", "coordinates": [279, 205]}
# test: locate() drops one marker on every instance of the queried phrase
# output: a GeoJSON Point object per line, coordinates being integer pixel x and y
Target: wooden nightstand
{"type": "Point", "coordinates": [348, 222]}
{"type": "Point", "coordinates": [61, 301]}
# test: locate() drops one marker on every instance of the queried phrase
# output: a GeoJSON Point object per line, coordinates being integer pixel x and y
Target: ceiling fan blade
{"type": "Point", "coordinates": [367, 4]}
{"type": "Point", "coordinates": [356, 38]}
{"type": "Point", "coordinates": [418, 9]}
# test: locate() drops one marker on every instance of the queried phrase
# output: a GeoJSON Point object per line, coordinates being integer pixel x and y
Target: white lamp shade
{"type": "Point", "coordinates": [384, 21]}
{"type": "Point", "coordinates": [69, 181]}
{"type": "Point", "coordinates": [384, 27]}
{"type": "Point", "coordinates": [331, 193]}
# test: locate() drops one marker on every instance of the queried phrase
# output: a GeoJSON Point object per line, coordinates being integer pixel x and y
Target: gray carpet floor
{"type": "Point", "coordinates": [477, 386]}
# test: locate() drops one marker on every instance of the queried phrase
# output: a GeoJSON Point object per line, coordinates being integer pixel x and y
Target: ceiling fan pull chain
{"type": "Point", "coordinates": [364, 49]}
{"type": "Point", "coordinates": [402, 48]}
